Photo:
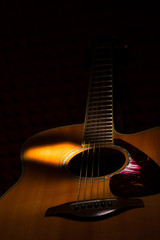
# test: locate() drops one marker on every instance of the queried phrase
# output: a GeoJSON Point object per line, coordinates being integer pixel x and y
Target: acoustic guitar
{"type": "Point", "coordinates": [87, 181]}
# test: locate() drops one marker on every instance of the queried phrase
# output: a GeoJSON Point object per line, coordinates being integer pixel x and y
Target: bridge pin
{"type": "Point", "coordinates": [76, 207]}
{"type": "Point", "coordinates": [96, 204]}
{"type": "Point", "coordinates": [89, 205]}
{"type": "Point", "coordinates": [109, 203]}
{"type": "Point", "coordinates": [103, 204]}
{"type": "Point", "coordinates": [83, 206]}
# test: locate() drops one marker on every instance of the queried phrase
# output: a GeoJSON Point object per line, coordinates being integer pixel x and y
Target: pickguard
{"type": "Point", "coordinates": [140, 178]}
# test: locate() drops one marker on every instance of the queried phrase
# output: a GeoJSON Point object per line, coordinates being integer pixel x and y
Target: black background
{"type": "Point", "coordinates": [45, 68]}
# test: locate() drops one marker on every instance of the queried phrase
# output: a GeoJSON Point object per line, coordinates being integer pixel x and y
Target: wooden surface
{"type": "Point", "coordinates": [44, 185]}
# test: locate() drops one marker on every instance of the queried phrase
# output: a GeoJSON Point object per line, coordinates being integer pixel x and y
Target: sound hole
{"type": "Point", "coordinates": [98, 162]}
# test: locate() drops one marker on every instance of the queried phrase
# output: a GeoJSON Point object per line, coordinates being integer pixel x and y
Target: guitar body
{"type": "Point", "coordinates": [47, 182]}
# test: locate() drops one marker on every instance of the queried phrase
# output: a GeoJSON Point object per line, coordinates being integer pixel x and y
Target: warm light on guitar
{"type": "Point", "coordinates": [87, 181]}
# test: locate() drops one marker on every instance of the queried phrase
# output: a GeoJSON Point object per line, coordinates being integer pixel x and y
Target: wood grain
{"type": "Point", "coordinates": [45, 184]}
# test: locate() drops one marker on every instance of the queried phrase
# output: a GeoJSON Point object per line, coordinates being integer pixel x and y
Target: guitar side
{"type": "Point", "coordinates": [46, 184]}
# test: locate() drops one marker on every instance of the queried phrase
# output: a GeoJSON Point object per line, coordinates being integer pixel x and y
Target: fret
{"type": "Point", "coordinates": [91, 136]}
{"type": "Point", "coordinates": [90, 121]}
{"type": "Point", "coordinates": [102, 70]}
{"type": "Point", "coordinates": [100, 129]}
{"type": "Point", "coordinates": [98, 75]}
{"type": "Point", "coordinates": [104, 91]}
{"type": "Point", "coordinates": [92, 107]}
{"type": "Point", "coordinates": [92, 104]}
{"type": "Point", "coordinates": [104, 127]}
{"type": "Point", "coordinates": [102, 96]}
{"type": "Point", "coordinates": [100, 84]}
{"type": "Point", "coordinates": [100, 137]}
{"type": "Point", "coordinates": [100, 111]}
{"type": "Point", "coordinates": [105, 96]}
{"type": "Point", "coordinates": [108, 123]}
{"type": "Point", "coordinates": [103, 100]}
{"type": "Point", "coordinates": [92, 126]}
{"type": "Point", "coordinates": [95, 107]}
{"type": "Point", "coordinates": [102, 65]}
{"type": "Point", "coordinates": [97, 92]}
{"type": "Point", "coordinates": [102, 124]}
{"type": "Point", "coordinates": [98, 103]}
{"type": "Point", "coordinates": [95, 136]}
{"type": "Point", "coordinates": [99, 123]}
{"type": "Point", "coordinates": [108, 113]}
{"type": "Point", "coordinates": [101, 106]}
{"type": "Point", "coordinates": [108, 93]}
{"type": "Point", "coordinates": [100, 140]}
{"type": "Point", "coordinates": [98, 87]}
{"type": "Point", "coordinates": [101, 81]}
{"type": "Point", "coordinates": [101, 114]}
{"type": "Point", "coordinates": [102, 76]}
{"type": "Point", "coordinates": [103, 86]}
{"type": "Point", "coordinates": [93, 140]}
{"type": "Point", "coordinates": [99, 143]}
{"type": "Point", "coordinates": [96, 141]}
{"type": "Point", "coordinates": [99, 117]}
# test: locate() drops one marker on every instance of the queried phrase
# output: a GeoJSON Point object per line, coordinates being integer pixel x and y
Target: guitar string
{"type": "Point", "coordinates": [104, 174]}
{"type": "Point", "coordinates": [92, 171]}
{"type": "Point", "coordinates": [94, 109]}
{"type": "Point", "coordinates": [105, 189]}
{"type": "Point", "coordinates": [92, 155]}
{"type": "Point", "coordinates": [105, 186]}
{"type": "Point", "coordinates": [80, 175]}
{"type": "Point", "coordinates": [97, 123]}
{"type": "Point", "coordinates": [86, 173]}
{"type": "Point", "coordinates": [99, 156]}
{"type": "Point", "coordinates": [112, 109]}
{"type": "Point", "coordinates": [98, 159]}
{"type": "Point", "coordinates": [85, 145]}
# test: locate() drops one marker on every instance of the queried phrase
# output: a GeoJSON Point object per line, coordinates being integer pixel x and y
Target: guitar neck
{"type": "Point", "coordinates": [98, 127]}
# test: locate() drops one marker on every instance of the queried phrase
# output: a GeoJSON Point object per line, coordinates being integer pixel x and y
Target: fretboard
{"type": "Point", "coordinates": [98, 127]}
